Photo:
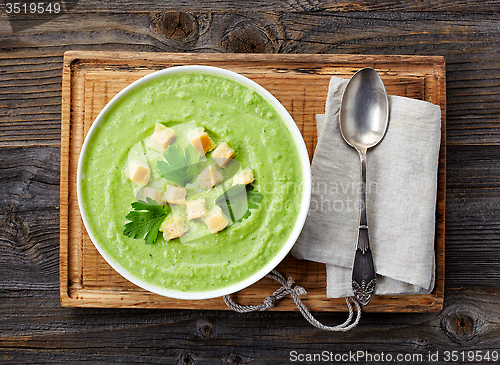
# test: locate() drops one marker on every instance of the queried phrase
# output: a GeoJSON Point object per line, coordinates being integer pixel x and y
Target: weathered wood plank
{"type": "Point", "coordinates": [473, 239]}
{"type": "Point", "coordinates": [474, 167]}
{"type": "Point", "coordinates": [30, 84]}
{"type": "Point", "coordinates": [36, 330]}
{"type": "Point", "coordinates": [473, 206]}
{"type": "Point", "coordinates": [30, 101]}
{"type": "Point", "coordinates": [129, 6]}
{"type": "Point", "coordinates": [29, 218]}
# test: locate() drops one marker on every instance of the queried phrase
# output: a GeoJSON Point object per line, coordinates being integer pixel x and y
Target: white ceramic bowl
{"type": "Point", "coordinates": [304, 204]}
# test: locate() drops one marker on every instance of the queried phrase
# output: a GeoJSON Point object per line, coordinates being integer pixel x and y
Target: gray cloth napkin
{"type": "Point", "coordinates": [401, 198]}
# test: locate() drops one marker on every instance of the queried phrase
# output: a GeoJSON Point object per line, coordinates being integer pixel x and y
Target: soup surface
{"type": "Point", "coordinates": [229, 112]}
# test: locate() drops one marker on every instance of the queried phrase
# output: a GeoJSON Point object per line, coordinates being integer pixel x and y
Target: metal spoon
{"type": "Point", "coordinates": [364, 115]}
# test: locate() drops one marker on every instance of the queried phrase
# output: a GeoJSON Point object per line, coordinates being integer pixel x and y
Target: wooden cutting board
{"type": "Point", "coordinates": [300, 83]}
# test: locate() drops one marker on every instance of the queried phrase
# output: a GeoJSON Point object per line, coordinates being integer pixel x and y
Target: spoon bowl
{"type": "Point", "coordinates": [364, 110]}
{"type": "Point", "coordinates": [364, 113]}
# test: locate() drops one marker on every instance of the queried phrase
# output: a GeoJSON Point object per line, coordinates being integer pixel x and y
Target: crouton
{"type": "Point", "coordinates": [152, 193]}
{"type": "Point", "coordinates": [223, 154]}
{"type": "Point", "coordinates": [173, 228]}
{"type": "Point", "coordinates": [243, 177]}
{"type": "Point", "coordinates": [209, 178]}
{"type": "Point", "coordinates": [200, 140]}
{"type": "Point", "coordinates": [175, 195]}
{"type": "Point", "coordinates": [138, 172]}
{"type": "Point", "coordinates": [196, 209]}
{"type": "Point", "coordinates": [216, 221]}
{"type": "Point", "coordinates": [161, 138]}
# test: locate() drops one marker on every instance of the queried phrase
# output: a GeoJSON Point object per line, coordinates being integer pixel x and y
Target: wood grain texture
{"type": "Point", "coordinates": [469, 321]}
{"type": "Point", "coordinates": [30, 101]}
{"type": "Point", "coordinates": [128, 6]}
{"type": "Point", "coordinates": [29, 218]}
{"type": "Point", "coordinates": [468, 41]}
{"type": "Point", "coordinates": [472, 229]}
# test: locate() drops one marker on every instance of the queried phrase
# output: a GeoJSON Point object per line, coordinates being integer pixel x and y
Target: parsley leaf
{"type": "Point", "coordinates": [145, 220]}
{"type": "Point", "coordinates": [237, 201]}
{"type": "Point", "coordinates": [181, 165]}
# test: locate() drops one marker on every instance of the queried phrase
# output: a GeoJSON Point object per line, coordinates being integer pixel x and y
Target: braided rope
{"type": "Point", "coordinates": [288, 288]}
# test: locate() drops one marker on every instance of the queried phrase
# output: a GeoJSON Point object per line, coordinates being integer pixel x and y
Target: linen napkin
{"type": "Point", "coordinates": [401, 198]}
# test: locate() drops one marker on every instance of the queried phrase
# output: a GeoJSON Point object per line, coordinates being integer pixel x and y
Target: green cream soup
{"type": "Point", "coordinates": [229, 112]}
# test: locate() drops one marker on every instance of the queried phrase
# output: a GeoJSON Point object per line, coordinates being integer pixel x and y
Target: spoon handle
{"type": "Point", "coordinates": [363, 271]}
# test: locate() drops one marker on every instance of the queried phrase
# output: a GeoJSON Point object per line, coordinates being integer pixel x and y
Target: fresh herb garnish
{"type": "Point", "coordinates": [181, 165]}
{"type": "Point", "coordinates": [145, 220]}
{"type": "Point", "coordinates": [237, 201]}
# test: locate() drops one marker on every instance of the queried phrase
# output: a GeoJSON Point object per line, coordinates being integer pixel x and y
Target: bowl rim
{"type": "Point", "coordinates": [304, 204]}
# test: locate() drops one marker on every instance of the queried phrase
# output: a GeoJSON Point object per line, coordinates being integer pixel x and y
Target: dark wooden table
{"type": "Point", "coordinates": [34, 328]}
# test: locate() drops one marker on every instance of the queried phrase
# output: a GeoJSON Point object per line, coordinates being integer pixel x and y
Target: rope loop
{"type": "Point", "coordinates": [288, 288]}
{"type": "Point", "coordinates": [269, 302]}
